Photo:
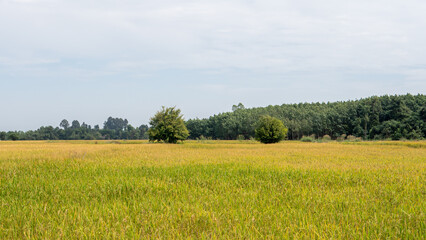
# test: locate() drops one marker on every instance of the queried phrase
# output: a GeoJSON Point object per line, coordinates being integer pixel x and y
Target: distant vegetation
{"type": "Point", "coordinates": [386, 117]}
{"type": "Point", "coordinates": [114, 128]}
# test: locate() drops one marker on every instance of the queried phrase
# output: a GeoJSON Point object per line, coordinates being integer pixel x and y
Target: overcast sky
{"type": "Point", "coordinates": [88, 59]}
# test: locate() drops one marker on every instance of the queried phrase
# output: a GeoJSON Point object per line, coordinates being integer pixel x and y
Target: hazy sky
{"type": "Point", "coordinates": [87, 59]}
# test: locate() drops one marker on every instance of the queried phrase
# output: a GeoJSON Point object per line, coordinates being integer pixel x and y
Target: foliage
{"type": "Point", "coordinates": [237, 107]}
{"type": "Point", "coordinates": [75, 124]}
{"type": "Point", "coordinates": [64, 124]}
{"type": "Point", "coordinates": [341, 138]}
{"type": "Point", "coordinates": [13, 137]}
{"type": "Point", "coordinates": [307, 139]}
{"type": "Point", "coordinates": [167, 125]}
{"type": "Point", "coordinates": [394, 116]}
{"type": "Point", "coordinates": [117, 124]}
{"type": "Point", "coordinates": [374, 118]}
{"type": "Point", "coordinates": [240, 137]}
{"type": "Point", "coordinates": [351, 138]}
{"type": "Point", "coordinates": [3, 136]}
{"type": "Point", "coordinates": [79, 132]}
{"type": "Point", "coordinates": [270, 130]}
{"type": "Point", "coordinates": [326, 138]}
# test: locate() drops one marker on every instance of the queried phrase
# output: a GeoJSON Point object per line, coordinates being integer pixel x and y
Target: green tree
{"type": "Point", "coordinates": [143, 131]}
{"type": "Point", "coordinates": [75, 124]}
{"type": "Point", "coordinates": [13, 136]}
{"type": "Point", "coordinates": [270, 130]}
{"type": "Point", "coordinates": [117, 124]}
{"type": "Point", "coordinates": [237, 107]}
{"type": "Point", "coordinates": [167, 125]}
{"type": "Point", "coordinates": [3, 136]}
{"type": "Point", "coordinates": [64, 124]}
{"type": "Point", "coordinates": [131, 132]}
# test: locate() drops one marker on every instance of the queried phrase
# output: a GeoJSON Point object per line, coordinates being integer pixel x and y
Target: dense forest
{"type": "Point", "coordinates": [386, 117]}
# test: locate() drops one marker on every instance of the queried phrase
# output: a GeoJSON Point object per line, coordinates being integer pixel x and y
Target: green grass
{"type": "Point", "coordinates": [289, 190]}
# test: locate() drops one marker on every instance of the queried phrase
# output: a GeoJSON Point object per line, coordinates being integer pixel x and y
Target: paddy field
{"type": "Point", "coordinates": [212, 189]}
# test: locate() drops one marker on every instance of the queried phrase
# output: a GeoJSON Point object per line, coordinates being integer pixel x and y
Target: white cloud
{"type": "Point", "coordinates": [275, 35]}
{"type": "Point", "coordinates": [311, 49]}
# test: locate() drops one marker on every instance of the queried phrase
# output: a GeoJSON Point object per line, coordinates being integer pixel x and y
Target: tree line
{"type": "Point", "coordinates": [374, 118]}
{"type": "Point", "coordinates": [114, 128]}
{"type": "Point", "coordinates": [385, 117]}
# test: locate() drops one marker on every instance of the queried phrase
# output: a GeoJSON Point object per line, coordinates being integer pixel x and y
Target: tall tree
{"type": "Point", "coordinates": [75, 124]}
{"type": "Point", "coordinates": [117, 124]}
{"type": "Point", "coordinates": [64, 124]}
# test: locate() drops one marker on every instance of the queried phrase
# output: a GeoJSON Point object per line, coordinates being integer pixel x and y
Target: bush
{"type": "Point", "coordinates": [201, 138]}
{"type": "Point", "coordinates": [240, 137]}
{"type": "Point", "coordinates": [341, 138]}
{"type": "Point", "coordinates": [13, 137]}
{"type": "Point", "coordinates": [306, 139]}
{"type": "Point", "coordinates": [270, 130]}
{"type": "Point", "coordinates": [326, 138]}
{"type": "Point", "coordinates": [167, 125]}
{"type": "Point", "coordinates": [351, 138]}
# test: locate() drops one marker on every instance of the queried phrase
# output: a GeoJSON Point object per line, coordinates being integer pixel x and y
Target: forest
{"type": "Point", "coordinates": [386, 117]}
{"type": "Point", "coordinates": [393, 117]}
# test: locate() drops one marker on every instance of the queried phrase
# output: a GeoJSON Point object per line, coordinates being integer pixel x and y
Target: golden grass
{"type": "Point", "coordinates": [213, 189]}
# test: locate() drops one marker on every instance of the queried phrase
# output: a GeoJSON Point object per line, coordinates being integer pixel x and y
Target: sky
{"type": "Point", "coordinates": [91, 59]}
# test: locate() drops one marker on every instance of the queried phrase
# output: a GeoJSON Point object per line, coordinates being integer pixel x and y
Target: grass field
{"type": "Point", "coordinates": [214, 189]}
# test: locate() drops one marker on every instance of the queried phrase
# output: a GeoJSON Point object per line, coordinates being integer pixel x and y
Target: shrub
{"type": "Point", "coordinates": [306, 139]}
{"type": "Point", "coordinates": [341, 138]}
{"type": "Point", "coordinates": [167, 125]}
{"type": "Point", "coordinates": [270, 130]}
{"type": "Point", "coordinates": [240, 137]}
{"type": "Point", "coordinates": [326, 138]}
{"type": "Point", "coordinates": [203, 139]}
{"type": "Point", "coordinates": [351, 138]}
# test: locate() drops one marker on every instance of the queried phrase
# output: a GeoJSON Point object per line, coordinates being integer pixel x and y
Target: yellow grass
{"type": "Point", "coordinates": [212, 189]}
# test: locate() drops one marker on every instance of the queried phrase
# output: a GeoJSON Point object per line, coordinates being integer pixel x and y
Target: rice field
{"type": "Point", "coordinates": [212, 189]}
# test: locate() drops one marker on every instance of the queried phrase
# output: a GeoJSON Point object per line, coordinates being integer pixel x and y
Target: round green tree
{"type": "Point", "coordinates": [13, 137]}
{"type": "Point", "coordinates": [168, 126]}
{"type": "Point", "coordinates": [270, 130]}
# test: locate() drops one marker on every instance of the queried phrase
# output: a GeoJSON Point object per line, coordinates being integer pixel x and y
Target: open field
{"type": "Point", "coordinates": [214, 189]}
